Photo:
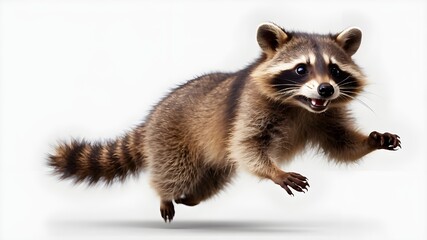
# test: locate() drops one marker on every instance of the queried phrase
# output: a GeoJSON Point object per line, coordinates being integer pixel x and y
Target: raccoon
{"type": "Point", "coordinates": [295, 95]}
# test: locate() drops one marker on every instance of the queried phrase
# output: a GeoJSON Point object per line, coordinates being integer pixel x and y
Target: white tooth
{"type": "Point", "coordinates": [326, 102]}
{"type": "Point", "coordinates": [313, 102]}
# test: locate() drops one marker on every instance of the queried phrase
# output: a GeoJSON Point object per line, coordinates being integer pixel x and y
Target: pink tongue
{"type": "Point", "coordinates": [317, 102]}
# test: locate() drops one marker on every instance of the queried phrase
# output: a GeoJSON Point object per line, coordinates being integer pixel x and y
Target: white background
{"type": "Point", "coordinates": [94, 69]}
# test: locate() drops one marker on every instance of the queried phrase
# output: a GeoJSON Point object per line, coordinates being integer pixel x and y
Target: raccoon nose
{"type": "Point", "coordinates": [325, 90]}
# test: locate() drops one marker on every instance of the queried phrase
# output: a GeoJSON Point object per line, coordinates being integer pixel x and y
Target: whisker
{"type": "Point", "coordinates": [293, 81]}
{"type": "Point", "coordinates": [343, 82]}
{"type": "Point", "coordinates": [351, 88]}
{"type": "Point", "coordinates": [371, 93]}
{"type": "Point", "coordinates": [288, 89]}
{"type": "Point", "coordinates": [358, 100]}
{"type": "Point", "coordinates": [285, 84]}
{"type": "Point", "coordinates": [349, 76]}
{"type": "Point", "coordinates": [289, 94]}
{"type": "Point", "coordinates": [292, 95]}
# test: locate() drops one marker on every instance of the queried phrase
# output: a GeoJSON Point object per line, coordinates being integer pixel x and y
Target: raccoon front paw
{"type": "Point", "coordinates": [167, 210]}
{"type": "Point", "coordinates": [293, 180]}
{"type": "Point", "coordinates": [386, 140]}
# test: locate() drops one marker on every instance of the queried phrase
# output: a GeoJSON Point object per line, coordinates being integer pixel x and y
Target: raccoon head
{"type": "Point", "coordinates": [313, 71]}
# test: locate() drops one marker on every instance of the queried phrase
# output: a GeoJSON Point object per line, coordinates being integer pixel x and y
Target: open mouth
{"type": "Point", "coordinates": [317, 105]}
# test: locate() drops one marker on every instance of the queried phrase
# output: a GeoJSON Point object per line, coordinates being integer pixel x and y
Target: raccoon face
{"type": "Point", "coordinates": [308, 70]}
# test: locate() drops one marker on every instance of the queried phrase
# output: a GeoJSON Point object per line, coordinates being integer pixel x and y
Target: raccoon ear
{"type": "Point", "coordinates": [270, 37]}
{"type": "Point", "coordinates": [349, 40]}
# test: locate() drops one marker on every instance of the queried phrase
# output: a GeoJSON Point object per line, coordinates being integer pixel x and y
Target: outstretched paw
{"type": "Point", "coordinates": [386, 140]}
{"type": "Point", "coordinates": [292, 180]}
{"type": "Point", "coordinates": [167, 210]}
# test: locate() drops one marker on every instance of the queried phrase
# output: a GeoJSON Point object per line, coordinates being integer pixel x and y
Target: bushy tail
{"type": "Point", "coordinates": [94, 162]}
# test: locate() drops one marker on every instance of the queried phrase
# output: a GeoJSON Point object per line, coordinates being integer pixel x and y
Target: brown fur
{"type": "Point", "coordinates": [196, 137]}
{"type": "Point", "coordinates": [100, 161]}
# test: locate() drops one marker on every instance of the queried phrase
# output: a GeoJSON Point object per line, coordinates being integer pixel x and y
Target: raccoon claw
{"type": "Point", "coordinates": [292, 180]}
{"type": "Point", "coordinates": [386, 141]}
{"type": "Point", "coordinates": [167, 210]}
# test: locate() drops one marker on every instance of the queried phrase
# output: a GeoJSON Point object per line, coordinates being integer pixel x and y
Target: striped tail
{"type": "Point", "coordinates": [94, 162]}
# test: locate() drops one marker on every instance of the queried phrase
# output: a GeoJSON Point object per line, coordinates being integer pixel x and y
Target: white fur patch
{"type": "Point", "coordinates": [311, 58]}
{"type": "Point", "coordinates": [286, 65]}
{"type": "Point", "coordinates": [309, 90]}
{"type": "Point", "coordinates": [326, 59]}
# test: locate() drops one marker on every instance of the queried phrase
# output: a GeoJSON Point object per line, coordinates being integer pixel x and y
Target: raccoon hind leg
{"type": "Point", "coordinates": [189, 200]}
{"type": "Point", "coordinates": [213, 179]}
{"type": "Point", "coordinates": [172, 177]}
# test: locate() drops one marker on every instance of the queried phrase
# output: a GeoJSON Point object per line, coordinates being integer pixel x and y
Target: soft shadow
{"type": "Point", "coordinates": [217, 226]}
{"type": "Point", "coordinates": [248, 226]}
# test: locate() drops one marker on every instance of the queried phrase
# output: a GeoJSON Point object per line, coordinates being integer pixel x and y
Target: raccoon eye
{"type": "Point", "coordinates": [335, 71]}
{"type": "Point", "coordinates": [301, 69]}
{"type": "Point", "coordinates": [337, 74]}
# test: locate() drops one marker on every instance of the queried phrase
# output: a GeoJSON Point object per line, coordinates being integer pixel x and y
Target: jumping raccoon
{"type": "Point", "coordinates": [294, 95]}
